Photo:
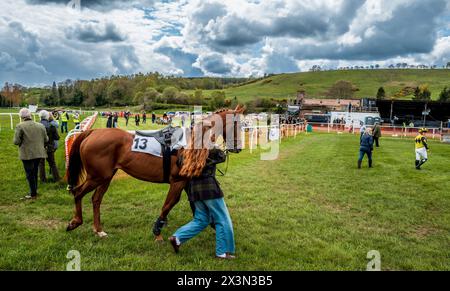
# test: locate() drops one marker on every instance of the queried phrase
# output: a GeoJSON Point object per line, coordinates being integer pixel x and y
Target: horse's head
{"type": "Point", "coordinates": [227, 123]}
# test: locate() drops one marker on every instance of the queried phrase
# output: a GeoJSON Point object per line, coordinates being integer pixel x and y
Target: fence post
{"type": "Point", "coordinates": [12, 123]}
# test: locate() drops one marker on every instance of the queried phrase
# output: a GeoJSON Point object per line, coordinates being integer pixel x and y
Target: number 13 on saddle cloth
{"type": "Point", "coordinates": [153, 142]}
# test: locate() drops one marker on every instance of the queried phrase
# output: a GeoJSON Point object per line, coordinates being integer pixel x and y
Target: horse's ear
{"type": "Point", "coordinates": [238, 107]}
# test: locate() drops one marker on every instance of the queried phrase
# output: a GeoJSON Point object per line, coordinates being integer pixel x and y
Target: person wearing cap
{"type": "Point", "coordinates": [421, 148]}
{"type": "Point", "coordinates": [31, 138]}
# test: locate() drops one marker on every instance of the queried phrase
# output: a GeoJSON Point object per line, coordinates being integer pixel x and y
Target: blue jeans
{"type": "Point", "coordinates": [362, 152]}
{"type": "Point", "coordinates": [207, 211]}
{"type": "Point", "coordinates": [64, 126]}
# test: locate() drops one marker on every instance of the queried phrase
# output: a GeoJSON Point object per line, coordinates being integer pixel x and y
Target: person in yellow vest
{"type": "Point", "coordinates": [64, 116]}
{"type": "Point", "coordinates": [421, 148]}
{"type": "Point", "coordinates": [76, 119]}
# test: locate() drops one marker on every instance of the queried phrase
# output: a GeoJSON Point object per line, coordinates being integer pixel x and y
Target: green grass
{"type": "Point", "coordinates": [309, 210]}
{"type": "Point", "coordinates": [316, 84]}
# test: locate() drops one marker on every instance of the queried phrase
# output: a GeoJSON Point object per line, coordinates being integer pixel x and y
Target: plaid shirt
{"type": "Point", "coordinates": [206, 186]}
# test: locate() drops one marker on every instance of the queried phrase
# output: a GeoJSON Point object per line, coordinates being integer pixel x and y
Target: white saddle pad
{"type": "Point", "coordinates": [149, 145]}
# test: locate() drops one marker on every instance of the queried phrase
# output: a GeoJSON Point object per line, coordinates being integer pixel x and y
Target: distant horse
{"type": "Point", "coordinates": [96, 155]}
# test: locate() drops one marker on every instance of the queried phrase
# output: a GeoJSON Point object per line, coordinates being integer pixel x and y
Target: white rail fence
{"type": "Point", "coordinates": [9, 120]}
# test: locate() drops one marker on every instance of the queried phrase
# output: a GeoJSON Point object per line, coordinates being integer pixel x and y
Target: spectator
{"type": "Point", "coordinates": [144, 118]}
{"type": "Point", "coordinates": [64, 120]}
{"type": "Point", "coordinates": [115, 120]}
{"type": "Point", "coordinates": [31, 138]}
{"type": "Point", "coordinates": [54, 123]}
{"type": "Point", "coordinates": [377, 134]}
{"type": "Point", "coordinates": [76, 119]}
{"type": "Point", "coordinates": [109, 122]}
{"type": "Point", "coordinates": [52, 134]}
{"type": "Point", "coordinates": [137, 119]}
{"type": "Point", "coordinates": [153, 117]}
{"type": "Point", "coordinates": [362, 128]}
{"type": "Point", "coordinates": [127, 116]}
{"type": "Point", "coordinates": [366, 147]}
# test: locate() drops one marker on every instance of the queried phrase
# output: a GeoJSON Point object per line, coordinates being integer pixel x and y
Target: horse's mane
{"type": "Point", "coordinates": [221, 110]}
{"type": "Point", "coordinates": [193, 157]}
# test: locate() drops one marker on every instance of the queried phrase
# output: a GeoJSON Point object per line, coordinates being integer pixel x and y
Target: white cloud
{"type": "Point", "coordinates": [42, 43]}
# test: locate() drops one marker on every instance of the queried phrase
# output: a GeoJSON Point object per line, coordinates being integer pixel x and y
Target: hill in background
{"type": "Point", "coordinates": [154, 91]}
{"type": "Point", "coordinates": [367, 82]}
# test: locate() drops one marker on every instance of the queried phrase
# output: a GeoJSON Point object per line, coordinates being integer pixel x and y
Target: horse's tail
{"type": "Point", "coordinates": [75, 168]}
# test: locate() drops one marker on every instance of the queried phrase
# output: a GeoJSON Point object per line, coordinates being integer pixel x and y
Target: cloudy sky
{"type": "Point", "coordinates": [42, 41]}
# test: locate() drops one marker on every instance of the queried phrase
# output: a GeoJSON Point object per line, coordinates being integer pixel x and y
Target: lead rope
{"type": "Point", "coordinates": [226, 166]}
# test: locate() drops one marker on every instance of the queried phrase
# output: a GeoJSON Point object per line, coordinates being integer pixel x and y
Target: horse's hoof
{"type": "Point", "coordinates": [159, 238]}
{"type": "Point", "coordinates": [72, 226]}
{"type": "Point", "coordinates": [101, 234]}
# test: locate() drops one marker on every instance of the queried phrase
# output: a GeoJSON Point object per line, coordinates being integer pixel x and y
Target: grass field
{"type": "Point", "coordinates": [309, 210]}
{"type": "Point", "coordinates": [316, 84]}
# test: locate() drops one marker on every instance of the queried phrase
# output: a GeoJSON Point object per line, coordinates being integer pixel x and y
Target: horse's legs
{"type": "Point", "coordinates": [79, 193]}
{"type": "Point", "coordinates": [171, 200]}
{"type": "Point", "coordinates": [96, 201]}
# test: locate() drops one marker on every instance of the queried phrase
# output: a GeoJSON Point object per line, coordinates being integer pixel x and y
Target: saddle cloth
{"type": "Point", "coordinates": [154, 142]}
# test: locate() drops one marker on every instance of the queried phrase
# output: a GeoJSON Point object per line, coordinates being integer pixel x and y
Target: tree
{"type": "Point", "coordinates": [448, 65]}
{"type": "Point", "coordinates": [197, 98]}
{"type": "Point", "coordinates": [54, 97]}
{"type": "Point", "coordinates": [381, 94]}
{"type": "Point", "coordinates": [416, 94]}
{"type": "Point", "coordinates": [422, 93]}
{"type": "Point", "coordinates": [341, 90]}
{"type": "Point", "coordinates": [444, 96]}
{"type": "Point", "coordinates": [170, 94]}
{"type": "Point", "coordinates": [217, 100]}
{"type": "Point", "coordinates": [118, 92]}
{"type": "Point", "coordinates": [148, 96]}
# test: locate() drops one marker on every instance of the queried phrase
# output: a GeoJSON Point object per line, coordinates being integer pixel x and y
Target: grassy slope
{"type": "Point", "coordinates": [317, 83]}
{"type": "Point", "coordinates": [311, 209]}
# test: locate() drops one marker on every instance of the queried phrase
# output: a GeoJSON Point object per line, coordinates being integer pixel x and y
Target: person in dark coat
{"type": "Point", "coordinates": [153, 117]}
{"type": "Point", "coordinates": [52, 133]}
{"type": "Point", "coordinates": [366, 147]}
{"type": "Point", "coordinates": [109, 123]}
{"type": "Point", "coordinates": [377, 134]}
{"type": "Point", "coordinates": [144, 118]}
{"type": "Point", "coordinates": [137, 119]}
{"type": "Point", "coordinates": [127, 116]}
{"type": "Point", "coordinates": [205, 193]}
{"type": "Point", "coordinates": [115, 120]}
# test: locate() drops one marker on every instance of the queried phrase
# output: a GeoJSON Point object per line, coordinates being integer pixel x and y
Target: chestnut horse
{"type": "Point", "coordinates": [96, 155]}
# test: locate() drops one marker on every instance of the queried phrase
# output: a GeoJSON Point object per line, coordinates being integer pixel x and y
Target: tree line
{"type": "Point", "coordinates": [120, 91]}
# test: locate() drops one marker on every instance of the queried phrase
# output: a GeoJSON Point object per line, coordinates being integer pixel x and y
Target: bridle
{"type": "Point", "coordinates": [227, 151]}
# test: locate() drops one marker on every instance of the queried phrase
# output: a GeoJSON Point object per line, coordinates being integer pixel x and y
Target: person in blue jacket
{"type": "Point", "coordinates": [366, 147]}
